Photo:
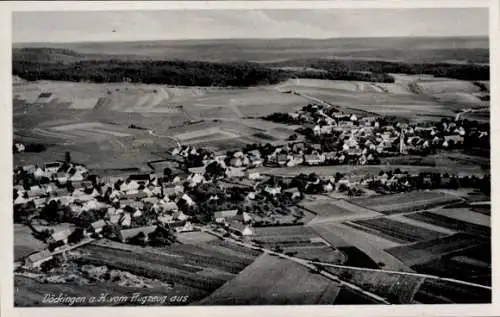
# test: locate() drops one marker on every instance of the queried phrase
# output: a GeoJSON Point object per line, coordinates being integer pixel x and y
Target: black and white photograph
{"type": "Point", "coordinates": [251, 156]}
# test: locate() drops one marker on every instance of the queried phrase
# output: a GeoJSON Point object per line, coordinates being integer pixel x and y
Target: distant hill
{"type": "Point", "coordinates": [409, 49]}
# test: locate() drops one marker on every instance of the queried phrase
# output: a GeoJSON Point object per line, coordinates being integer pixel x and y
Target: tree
{"type": "Point", "coordinates": [76, 236]}
{"type": "Point", "coordinates": [167, 173]}
{"type": "Point", "coordinates": [67, 157]}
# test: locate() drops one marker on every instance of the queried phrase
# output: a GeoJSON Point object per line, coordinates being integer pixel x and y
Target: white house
{"type": "Point", "coordinates": [36, 259]}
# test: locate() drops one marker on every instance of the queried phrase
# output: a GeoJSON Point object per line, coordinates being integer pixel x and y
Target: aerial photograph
{"type": "Point", "coordinates": [251, 157]}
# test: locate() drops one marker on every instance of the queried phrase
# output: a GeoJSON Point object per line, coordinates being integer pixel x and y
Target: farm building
{"type": "Point", "coordinates": [127, 234]}
{"type": "Point", "coordinates": [313, 159]}
{"type": "Point", "coordinates": [240, 228]}
{"type": "Point", "coordinates": [61, 235]}
{"type": "Point", "coordinates": [222, 216]}
{"type": "Point", "coordinates": [97, 226]}
{"type": "Point", "coordinates": [36, 259]}
{"type": "Point", "coordinates": [52, 167]}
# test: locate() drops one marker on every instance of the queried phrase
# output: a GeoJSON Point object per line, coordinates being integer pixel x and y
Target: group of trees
{"type": "Point", "coordinates": [457, 71]}
{"type": "Point", "coordinates": [425, 180]}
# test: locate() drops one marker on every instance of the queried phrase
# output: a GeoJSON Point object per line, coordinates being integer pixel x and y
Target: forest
{"type": "Point", "coordinates": [65, 65]}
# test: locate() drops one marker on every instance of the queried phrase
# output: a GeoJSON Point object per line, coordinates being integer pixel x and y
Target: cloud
{"type": "Point", "coordinates": [188, 24]}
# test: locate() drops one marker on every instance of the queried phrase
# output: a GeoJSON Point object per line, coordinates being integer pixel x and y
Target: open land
{"type": "Point", "coordinates": [272, 281]}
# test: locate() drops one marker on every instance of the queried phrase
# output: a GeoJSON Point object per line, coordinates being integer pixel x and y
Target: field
{"type": "Point", "coordinates": [451, 223]}
{"type": "Point", "coordinates": [335, 210]}
{"type": "Point", "coordinates": [440, 292]}
{"type": "Point", "coordinates": [188, 265]}
{"type": "Point", "coordinates": [24, 242]}
{"type": "Point", "coordinates": [472, 265]}
{"type": "Point", "coordinates": [273, 281]}
{"type": "Point", "coordinates": [396, 288]}
{"type": "Point", "coordinates": [465, 214]}
{"type": "Point", "coordinates": [425, 251]}
{"type": "Point", "coordinates": [406, 202]}
{"type": "Point", "coordinates": [362, 249]}
{"type": "Point", "coordinates": [393, 230]}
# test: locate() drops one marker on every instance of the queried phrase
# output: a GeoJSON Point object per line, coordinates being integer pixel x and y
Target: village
{"type": "Point", "coordinates": [225, 191]}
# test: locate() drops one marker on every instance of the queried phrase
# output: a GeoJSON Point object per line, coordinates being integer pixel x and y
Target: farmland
{"type": "Point", "coordinates": [271, 281]}
{"type": "Point", "coordinates": [424, 251]}
{"type": "Point", "coordinates": [397, 288]}
{"type": "Point", "coordinates": [451, 223]}
{"type": "Point", "coordinates": [406, 202]}
{"type": "Point", "coordinates": [24, 242]}
{"type": "Point", "coordinates": [394, 230]}
{"type": "Point", "coordinates": [335, 209]}
{"type": "Point", "coordinates": [187, 265]}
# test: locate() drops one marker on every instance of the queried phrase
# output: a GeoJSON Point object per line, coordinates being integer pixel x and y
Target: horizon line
{"type": "Point", "coordinates": [258, 38]}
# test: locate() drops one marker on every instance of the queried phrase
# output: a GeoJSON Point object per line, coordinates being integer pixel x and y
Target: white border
{"type": "Point", "coordinates": [6, 228]}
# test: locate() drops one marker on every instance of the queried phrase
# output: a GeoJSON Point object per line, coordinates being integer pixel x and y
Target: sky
{"type": "Point", "coordinates": [90, 26]}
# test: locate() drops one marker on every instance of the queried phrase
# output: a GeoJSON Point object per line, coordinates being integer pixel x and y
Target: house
{"type": "Point", "coordinates": [272, 190]}
{"type": "Point", "coordinates": [20, 200]}
{"type": "Point", "coordinates": [195, 179]}
{"type": "Point", "coordinates": [316, 130]}
{"type": "Point", "coordinates": [171, 190]}
{"type": "Point", "coordinates": [36, 259]}
{"type": "Point", "coordinates": [457, 139]}
{"type": "Point", "coordinates": [127, 234]}
{"type": "Point", "coordinates": [140, 177]}
{"type": "Point", "coordinates": [30, 169]}
{"type": "Point", "coordinates": [253, 175]}
{"type": "Point", "coordinates": [328, 187]}
{"type": "Point", "coordinates": [243, 217]}
{"type": "Point", "coordinates": [52, 167]}
{"type": "Point", "coordinates": [115, 219]}
{"type": "Point", "coordinates": [187, 227]}
{"type": "Point", "coordinates": [197, 170]}
{"type": "Point", "coordinates": [295, 160]}
{"type": "Point", "coordinates": [236, 162]}
{"type": "Point", "coordinates": [313, 159]}
{"type": "Point", "coordinates": [61, 235]}
{"type": "Point", "coordinates": [170, 206]}
{"type": "Point", "coordinates": [221, 216]}
{"type": "Point", "coordinates": [61, 177]}
{"type": "Point", "coordinates": [165, 219]}
{"type": "Point", "coordinates": [281, 159]}
{"type": "Point", "coordinates": [240, 228]}
{"type": "Point", "coordinates": [292, 192]}
{"type": "Point", "coordinates": [39, 173]}
{"type": "Point", "coordinates": [188, 200]}
{"type": "Point", "coordinates": [235, 172]}
{"type": "Point", "coordinates": [254, 154]}
{"type": "Point", "coordinates": [97, 226]}
{"type": "Point", "coordinates": [298, 147]}
{"type": "Point", "coordinates": [36, 191]}
{"type": "Point", "coordinates": [130, 186]}
{"type": "Point", "coordinates": [125, 220]}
